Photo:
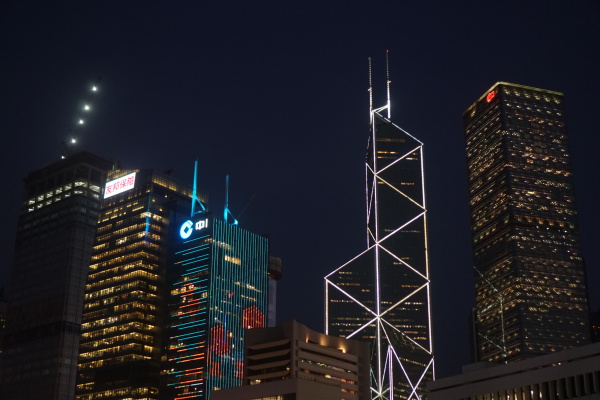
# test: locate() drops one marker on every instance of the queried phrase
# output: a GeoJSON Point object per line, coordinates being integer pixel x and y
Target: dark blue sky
{"type": "Point", "coordinates": [275, 95]}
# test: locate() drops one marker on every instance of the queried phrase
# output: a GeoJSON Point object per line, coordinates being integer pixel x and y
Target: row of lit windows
{"type": "Point", "coordinates": [116, 309]}
{"type": "Point", "coordinates": [144, 255]}
{"type": "Point", "coordinates": [130, 347]}
{"type": "Point", "coordinates": [174, 186]}
{"type": "Point", "coordinates": [113, 360]}
{"type": "Point", "coordinates": [572, 387]}
{"type": "Point", "coordinates": [120, 288]}
{"type": "Point", "coordinates": [526, 93]}
{"type": "Point", "coordinates": [118, 278]}
{"type": "Point", "coordinates": [112, 212]}
{"type": "Point", "coordinates": [117, 319]}
{"type": "Point", "coordinates": [134, 294]}
{"type": "Point", "coordinates": [131, 228]}
{"type": "Point", "coordinates": [527, 106]}
{"type": "Point", "coordinates": [60, 190]}
{"type": "Point", "coordinates": [129, 326]}
{"type": "Point", "coordinates": [61, 197]}
{"type": "Point", "coordinates": [134, 246]}
{"type": "Point", "coordinates": [107, 341]}
{"type": "Point", "coordinates": [121, 269]}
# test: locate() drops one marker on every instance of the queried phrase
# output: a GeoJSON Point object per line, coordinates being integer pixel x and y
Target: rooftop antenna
{"type": "Point", "coordinates": [370, 90]}
{"type": "Point", "coordinates": [69, 142]}
{"type": "Point", "coordinates": [226, 212]}
{"type": "Point", "coordinates": [195, 198]}
{"type": "Point", "coordinates": [387, 67]}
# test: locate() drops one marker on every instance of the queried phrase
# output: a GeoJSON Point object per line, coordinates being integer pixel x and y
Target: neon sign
{"type": "Point", "coordinates": [188, 227]}
{"type": "Point", "coordinates": [119, 185]}
{"type": "Point", "coordinates": [490, 96]}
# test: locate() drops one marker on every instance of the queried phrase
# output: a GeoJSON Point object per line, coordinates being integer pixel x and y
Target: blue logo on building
{"type": "Point", "coordinates": [186, 229]}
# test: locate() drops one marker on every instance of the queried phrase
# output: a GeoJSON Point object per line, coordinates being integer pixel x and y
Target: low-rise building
{"type": "Point", "coordinates": [569, 374]}
{"type": "Point", "coordinates": [294, 362]}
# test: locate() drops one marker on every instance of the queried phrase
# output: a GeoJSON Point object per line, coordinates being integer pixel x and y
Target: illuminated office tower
{"type": "Point", "coordinates": [382, 295]}
{"type": "Point", "coordinates": [529, 271]}
{"type": "Point", "coordinates": [218, 282]}
{"type": "Point", "coordinates": [122, 327]}
{"type": "Point", "coordinates": [54, 241]}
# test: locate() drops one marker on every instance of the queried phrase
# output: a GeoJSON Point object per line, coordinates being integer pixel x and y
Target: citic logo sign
{"type": "Point", "coordinates": [188, 227]}
{"type": "Point", "coordinates": [490, 96]}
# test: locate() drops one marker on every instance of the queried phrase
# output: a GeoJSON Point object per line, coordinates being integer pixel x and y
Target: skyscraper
{"type": "Point", "coordinates": [382, 295]}
{"type": "Point", "coordinates": [530, 277]}
{"type": "Point", "coordinates": [218, 286]}
{"type": "Point", "coordinates": [122, 328]}
{"type": "Point", "coordinates": [54, 241]}
{"type": "Point", "coordinates": [168, 294]}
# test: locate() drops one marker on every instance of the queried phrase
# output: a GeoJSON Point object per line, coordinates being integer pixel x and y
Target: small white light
{"type": "Point", "coordinates": [80, 121]}
{"type": "Point", "coordinates": [86, 107]}
{"type": "Point", "coordinates": [73, 140]}
{"type": "Point", "coordinates": [94, 88]}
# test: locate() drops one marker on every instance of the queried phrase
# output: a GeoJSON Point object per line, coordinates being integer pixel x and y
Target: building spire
{"type": "Point", "coordinates": [195, 198]}
{"type": "Point", "coordinates": [387, 67]}
{"type": "Point", "coordinates": [226, 212]}
{"type": "Point", "coordinates": [370, 90]}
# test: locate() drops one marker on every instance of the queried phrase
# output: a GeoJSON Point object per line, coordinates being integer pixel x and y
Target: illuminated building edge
{"type": "Point", "coordinates": [382, 295]}
{"type": "Point", "coordinates": [218, 288]}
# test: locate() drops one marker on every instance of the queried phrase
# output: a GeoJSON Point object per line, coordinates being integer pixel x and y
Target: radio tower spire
{"type": "Point", "coordinates": [370, 90]}
{"type": "Point", "coordinates": [387, 67]}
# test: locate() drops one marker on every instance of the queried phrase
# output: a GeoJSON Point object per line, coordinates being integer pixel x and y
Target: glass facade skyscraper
{"type": "Point", "coordinates": [218, 286]}
{"type": "Point", "coordinates": [55, 235]}
{"type": "Point", "coordinates": [529, 271]}
{"type": "Point", "coordinates": [382, 295]}
{"type": "Point", "coordinates": [122, 328]}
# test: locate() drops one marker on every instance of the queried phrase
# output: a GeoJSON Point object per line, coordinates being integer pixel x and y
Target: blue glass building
{"type": "Point", "coordinates": [218, 282]}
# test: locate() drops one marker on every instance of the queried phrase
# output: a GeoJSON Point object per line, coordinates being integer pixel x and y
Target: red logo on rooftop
{"type": "Point", "coordinates": [490, 96]}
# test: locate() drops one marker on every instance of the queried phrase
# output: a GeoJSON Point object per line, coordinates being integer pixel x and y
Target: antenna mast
{"type": "Point", "coordinates": [370, 91]}
{"type": "Point", "coordinates": [226, 212]}
{"type": "Point", "coordinates": [195, 198]}
{"type": "Point", "coordinates": [387, 67]}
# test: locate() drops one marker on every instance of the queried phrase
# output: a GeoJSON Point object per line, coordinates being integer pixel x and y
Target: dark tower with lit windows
{"type": "Point", "coordinates": [54, 240]}
{"type": "Point", "coordinates": [529, 271]}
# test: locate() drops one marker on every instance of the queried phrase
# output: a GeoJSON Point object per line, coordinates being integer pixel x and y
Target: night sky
{"type": "Point", "coordinates": [274, 94]}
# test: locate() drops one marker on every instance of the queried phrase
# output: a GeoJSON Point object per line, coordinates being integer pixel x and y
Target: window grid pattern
{"type": "Point", "coordinates": [530, 276]}
{"type": "Point", "coordinates": [218, 288]}
{"type": "Point", "coordinates": [121, 338]}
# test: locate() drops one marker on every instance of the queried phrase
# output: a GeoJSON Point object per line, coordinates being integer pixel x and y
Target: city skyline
{"type": "Point", "coordinates": [274, 96]}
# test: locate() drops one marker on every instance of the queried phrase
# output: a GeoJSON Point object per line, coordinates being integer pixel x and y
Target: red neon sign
{"type": "Point", "coordinates": [490, 96]}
